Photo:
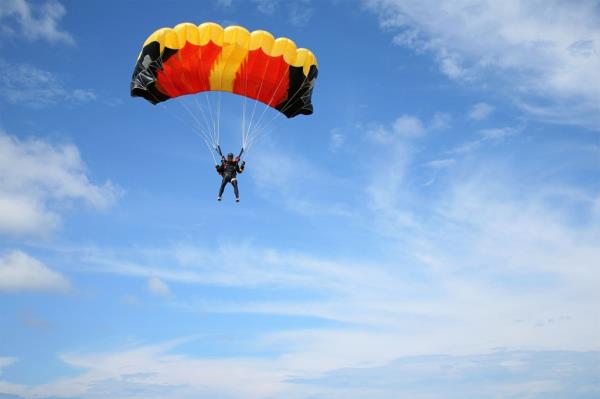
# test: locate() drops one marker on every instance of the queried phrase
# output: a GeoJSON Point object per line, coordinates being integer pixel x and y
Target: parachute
{"type": "Point", "coordinates": [191, 59]}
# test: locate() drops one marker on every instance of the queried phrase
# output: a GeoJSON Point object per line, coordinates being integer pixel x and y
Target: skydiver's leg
{"type": "Point", "coordinates": [223, 183]}
{"type": "Point", "coordinates": [235, 188]}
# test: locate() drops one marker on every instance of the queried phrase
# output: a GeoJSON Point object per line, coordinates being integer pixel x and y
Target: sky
{"type": "Point", "coordinates": [431, 231]}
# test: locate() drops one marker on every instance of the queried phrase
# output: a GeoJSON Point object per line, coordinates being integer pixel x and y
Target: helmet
{"type": "Point", "coordinates": [230, 155]}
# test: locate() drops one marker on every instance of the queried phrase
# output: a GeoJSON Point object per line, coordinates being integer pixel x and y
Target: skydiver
{"type": "Point", "coordinates": [228, 169]}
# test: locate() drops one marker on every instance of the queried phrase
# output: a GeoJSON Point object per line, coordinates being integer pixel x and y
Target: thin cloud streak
{"type": "Point", "coordinates": [24, 84]}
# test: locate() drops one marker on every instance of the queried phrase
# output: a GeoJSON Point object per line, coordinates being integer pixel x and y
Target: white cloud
{"type": "Point", "coordinates": [566, 111]}
{"type": "Point", "coordinates": [441, 163]}
{"type": "Point", "coordinates": [514, 244]}
{"type": "Point", "coordinates": [408, 126]}
{"type": "Point", "coordinates": [524, 375]}
{"type": "Point", "coordinates": [481, 263]}
{"type": "Point", "coordinates": [478, 239]}
{"type": "Point", "coordinates": [498, 134]}
{"type": "Point", "coordinates": [379, 134]}
{"type": "Point", "coordinates": [5, 387]}
{"type": "Point", "coordinates": [298, 12]}
{"type": "Point", "coordinates": [156, 371]}
{"type": "Point", "coordinates": [398, 145]}
{"type": "Point", "coordinates": [266, 6]}
{"type": "Point", "coordinates": [544, 54]}
{"type": "Point", "coordinates": [486, 136]}
{"type": "Point", "coordinates": [30, 86]}
{"type": "Point", "coordinates": [228, 265]}
{"type": "Point", "coordinates": [37, 21]}
{"type": "Point", "coordinates": [486, 265]}
{"type": "Point", "coordinates": [21, 214]}
{"type": "Point", "coordinates": [5, 362]}
{"type": "Point", "coordinates": [158, 287]}
{"type": "Point", "coordinates": [20, 272]}
{"type": "Point", "coordinates": [440, 121]}
{"type": "Point", "coordinates": [480, 111]}
{"type": "Point", "coordinates": [277, 172]}
{"type": "Point", "coordinates": [301, 12]}
{"type": "Point", "coordinates": [476, 264]}
{"type": "Point", "coordinates": [336, 139]}
{"type": "Point", "coordinates": [36, 175]}
{"type": "Point", "coordinates": [404, 127]}
{"type": "Point", "coordinates": [596, 207]}
{"type": "Point", "coordinates": [224, 3]}
{"type": "Point", "coordinates": [287, 176]}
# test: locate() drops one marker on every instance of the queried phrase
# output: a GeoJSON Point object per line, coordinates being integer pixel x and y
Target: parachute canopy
{"type": "Point", "coordinates": [189, 59]}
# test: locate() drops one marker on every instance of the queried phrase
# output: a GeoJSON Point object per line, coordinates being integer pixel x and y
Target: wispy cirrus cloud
{"type": "Point", "coordinates": [36, 176]}
{"type": "Point", "coordinates": [157, 370]}
{"type": "Point", "coordinates": [485, 136]}
{"type": "Point", "coordinates": [470, 264]}
{"type": "Point", "coordinates": [484, 266]}
{"type": "Point", "coordinates": [30, 86]}
{"type": "Point", "coordinates": [231, 265]}
{"type": "Point", "coordinates": [267, 6]}
{"type": "Point", "coordinates": [441, 163]}
{"type": "Point", "coordinates": [298, 12]}
{"type": "Point", "coordinates": [336, 139]}
{"type": "Point", "coordinates": [480, 111]}
{"type": "Point", "coordinates": [224, 3]}
{"type": "Point", "coordinates": [544, 55]}
{"type": "Point", "coordinates": [398, 142]}
{"type": "Point", "coordinates": [34, 21]}
{"type": "Point", "coordinates": [286, 176]}
{"type": "Point", "coordinates": [7, 388]}
{"type": "Point", "coordinates": [513, 268]}
{"type": "Point", "coordinates": [504, 373]}
{"type": "Point", "coordinates": [301, 12]}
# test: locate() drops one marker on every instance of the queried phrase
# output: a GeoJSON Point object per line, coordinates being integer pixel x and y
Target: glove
{"type": "Point", "coordinates": [243, 164]}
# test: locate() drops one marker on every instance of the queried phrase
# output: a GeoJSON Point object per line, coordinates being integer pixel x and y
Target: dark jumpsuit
{"type": "Point", "coordinates": [229, 171]}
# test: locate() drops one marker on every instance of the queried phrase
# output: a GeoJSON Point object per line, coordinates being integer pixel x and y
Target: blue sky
{"type": "Point", "coordinates": [432, 231]}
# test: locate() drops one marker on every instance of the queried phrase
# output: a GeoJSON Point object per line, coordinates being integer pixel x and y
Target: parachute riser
{"type": "Point", "coordinates": [220, 152]}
